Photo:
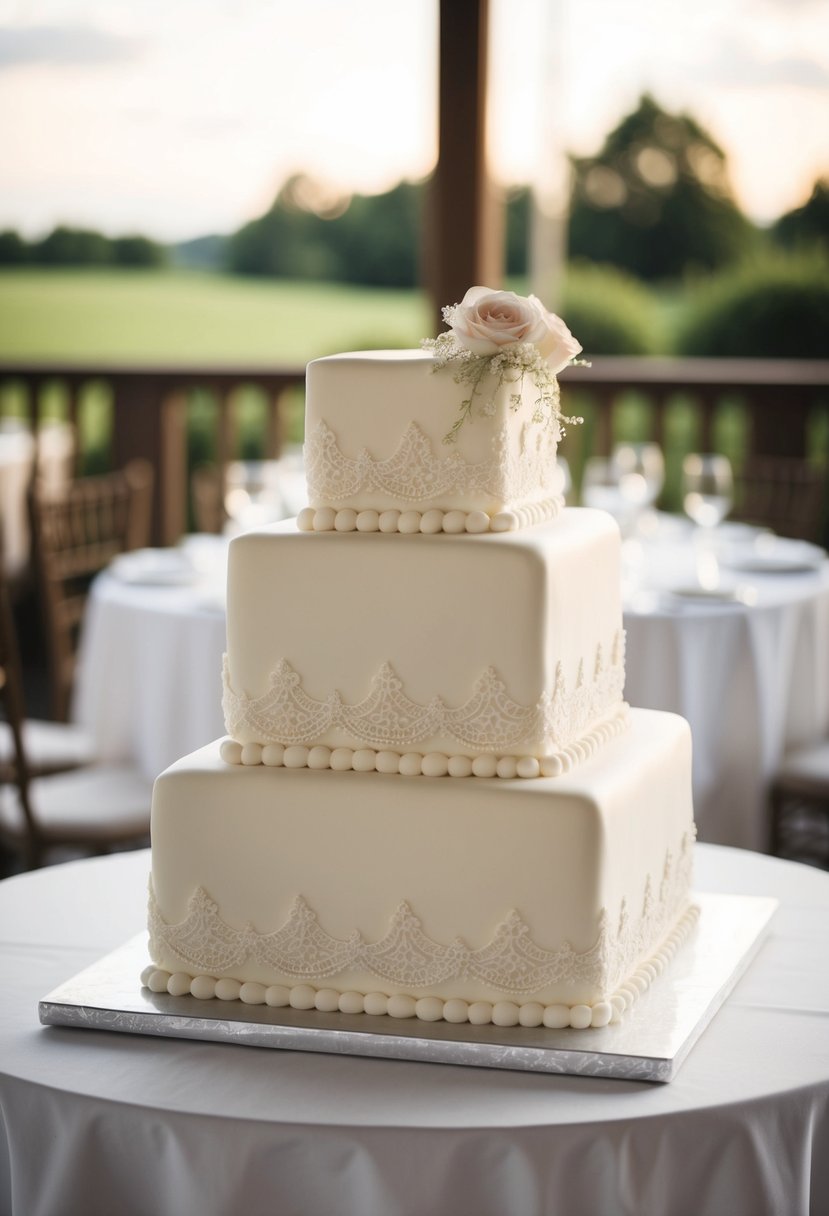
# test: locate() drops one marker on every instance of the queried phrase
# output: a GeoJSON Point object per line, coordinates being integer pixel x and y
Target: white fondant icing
{"type": "Point", "coordinates": [429, 1009]}
{"type": "Point", "coordinates": [509, 461]}
{"type": "Point", "coordinates": [538, 607]}
{"type": "Point", "coordinates": [429, 523]}
{"type": "Point", "coordinates": [489, 720]}
{"type": "Point", "coordinates": [351, 1002]}
{"type": "Point", "coordinates": [511, 963]}
{"type": "Point", "coordinates": [436, 764]}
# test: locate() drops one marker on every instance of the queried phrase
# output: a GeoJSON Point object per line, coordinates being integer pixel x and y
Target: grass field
{"type": "Point", "coordinates": [176, 316]}
{"type": "Point", "coordinates": [148, 317]}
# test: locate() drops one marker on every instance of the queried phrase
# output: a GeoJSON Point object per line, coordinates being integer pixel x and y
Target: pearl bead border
{"type": "Point", "coordinates": [417, 764]}
{"type": "Point", "coordinates": [431, 1008]}
{"type": "Point", "coordinates": [433, 520]}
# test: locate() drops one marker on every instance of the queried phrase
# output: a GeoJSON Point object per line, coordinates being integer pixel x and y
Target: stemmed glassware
{"type": "Point", "coordinates": [641, 472]}
{"type": "Point", "coordinates": [627, 485]}
{"type": "Point", "coordinates": [600, 486]}
{"type": "Point", "coordinates": [252, 494]}
{"type": "Point", "coordinates": [707, 496]}
{"type": "Point", "coordinates": [707, 488]}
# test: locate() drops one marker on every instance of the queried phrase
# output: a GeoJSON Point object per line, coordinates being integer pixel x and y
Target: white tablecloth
{"type": "Point", "coordinates": [101, 1123]}
{"type": "Point", "coordinates": [752, 681]}
{"type": "Point", "coordinates": [149, 681]}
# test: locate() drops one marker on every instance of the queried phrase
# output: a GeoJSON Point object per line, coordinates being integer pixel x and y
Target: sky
{"type": "Point", "coordinates": [177, 118]}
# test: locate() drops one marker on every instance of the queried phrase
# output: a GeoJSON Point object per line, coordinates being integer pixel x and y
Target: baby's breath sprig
{"type": "Point", "coordinates": [509, 366]}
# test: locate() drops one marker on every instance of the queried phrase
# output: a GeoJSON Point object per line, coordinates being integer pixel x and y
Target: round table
{"type": "Point", "coordinates": [148, 686]}
{"type": "Point", "coordinates": [99, 1122]}
{"type": "Point", "coordinates": [750, 673]}
{"type": "Point", "coordinates": [751, 678]}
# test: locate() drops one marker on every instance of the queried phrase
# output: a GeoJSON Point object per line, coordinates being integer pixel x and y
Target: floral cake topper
{"type": "Point", "coordinates": [508, 337]}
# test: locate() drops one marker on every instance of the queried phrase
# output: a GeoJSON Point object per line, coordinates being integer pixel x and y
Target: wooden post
{"type": "Point", "coordinates": [139, 432]}
{"type": "Point", "coordinates": [464, 239]}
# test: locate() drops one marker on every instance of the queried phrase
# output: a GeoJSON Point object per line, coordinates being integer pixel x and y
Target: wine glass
{"type": "Point", "coordinates": [600, 485]}
{"type": "Point", "coordinates": [707, 495]}
{"type": "Point", "coordinates": [707, 489]}
{"type": "Point", "coordinates": [252, 494]}
{"type": "Point", "coordinates": [600, 488]}
{"type": "Point", "coordinates": [641, 472]}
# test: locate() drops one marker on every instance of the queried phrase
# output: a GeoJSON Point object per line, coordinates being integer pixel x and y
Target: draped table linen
{"type": "Point", "coordinates": [93, 1122]}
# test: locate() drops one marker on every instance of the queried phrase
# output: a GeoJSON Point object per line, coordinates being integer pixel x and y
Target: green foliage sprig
{"type": "Point", "coordinates": [509, 367]}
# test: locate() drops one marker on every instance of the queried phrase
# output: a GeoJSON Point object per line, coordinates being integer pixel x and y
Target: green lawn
{"type": "Point", "coordinates": [170, 316]}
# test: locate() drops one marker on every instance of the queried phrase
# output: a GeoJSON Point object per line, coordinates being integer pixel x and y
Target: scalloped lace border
{"type": "Point", "coordinates": [432, 1008]}
{"type": "Point", "coordinates": [510, 963]}
{"type": "Point", "coordinates": [490, 720]}
{"type": "Point", "coordinates": [414, 474]}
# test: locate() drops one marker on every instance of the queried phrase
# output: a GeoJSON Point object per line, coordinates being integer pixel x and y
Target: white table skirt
{"type": "Point", "coordinates": [149, 682]}
{"type": "Point", "coordinates": [98, 1123]}
{"type": "Point", "coordinates": [752, 682]}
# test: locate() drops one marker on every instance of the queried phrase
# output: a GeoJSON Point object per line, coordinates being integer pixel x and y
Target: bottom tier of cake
{"type": "Point", "coordinates": [554, 901]}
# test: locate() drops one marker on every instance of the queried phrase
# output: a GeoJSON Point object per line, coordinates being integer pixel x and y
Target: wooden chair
{"type": "Point", "coordinates": [51, 747]}
{"type": "Point", "coordinates": [92, 809]}
{"type": "Point", "coordinates": [782, 493]}
{"type": "Point", "coordinates": [800, 807]}
{"type": "Point", "coordinates": [76, 534]}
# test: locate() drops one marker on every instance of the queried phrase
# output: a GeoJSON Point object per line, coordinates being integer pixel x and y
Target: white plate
{"type": "Point", "coordinates": [800, 561]}
{"type": "Point", "coordinates": [153, 568]}
{"type": "Point", "coordinates": [718, 595]}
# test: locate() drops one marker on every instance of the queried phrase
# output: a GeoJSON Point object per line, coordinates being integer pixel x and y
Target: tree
{"type": "Point", "coordinates": [138, 251]}
{"type": "Point", "coordinates": [807, 225]}
{"type": "Point", "coordinates": [13, 249]}
{"type": "Point", "coordinates": [656, 200]}
{"type": "Point", "coordinates": [73, 247]}
{"type": "Point", "coordinates": [372, 240]}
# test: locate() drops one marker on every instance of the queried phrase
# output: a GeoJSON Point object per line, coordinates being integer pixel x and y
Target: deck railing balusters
{"type": "Point", "coordinates": [150, 408]}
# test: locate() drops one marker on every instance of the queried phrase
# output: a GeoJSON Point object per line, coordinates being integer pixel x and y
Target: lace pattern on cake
{"type": "Point", "coordinates": [512, 962]}
{"type": "Point", "coordinates": [490, 720]}
{"type": "Point", "coordinates": [414, 474]}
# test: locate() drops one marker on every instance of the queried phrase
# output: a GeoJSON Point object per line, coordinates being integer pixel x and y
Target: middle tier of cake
{"type": "Point", "coordinates": [487, 648]}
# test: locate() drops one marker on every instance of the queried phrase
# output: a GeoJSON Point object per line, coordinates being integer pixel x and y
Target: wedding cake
{"type": "Point", "coordinates": [432, 800]}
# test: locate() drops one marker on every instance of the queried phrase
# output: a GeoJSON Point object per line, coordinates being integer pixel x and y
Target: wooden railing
{"type": "Point", "coordinates": [780, 396]}
{"type": "Point", "coordinates": [149, 416]}
{"type": "Point", "coordinates": [784, 404]}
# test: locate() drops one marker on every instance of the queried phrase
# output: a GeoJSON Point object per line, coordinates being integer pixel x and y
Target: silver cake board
{"type": "Point", "coordinates": [649, 1044]}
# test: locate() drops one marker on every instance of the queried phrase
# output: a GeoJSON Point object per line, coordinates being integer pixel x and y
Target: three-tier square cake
{"type": "Point", "coordinates": [432, 800]}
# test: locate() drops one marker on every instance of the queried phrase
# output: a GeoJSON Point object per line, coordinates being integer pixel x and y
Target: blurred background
{"type": "Point", "coordinates": [190, 186]}
{"type": "Point", "coordinates": [199, 196]}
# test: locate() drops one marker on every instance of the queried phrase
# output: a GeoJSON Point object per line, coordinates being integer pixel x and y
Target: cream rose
{"type": "Point", "coordinates": [487, 321]}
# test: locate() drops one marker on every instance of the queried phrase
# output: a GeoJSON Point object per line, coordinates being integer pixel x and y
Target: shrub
{"type": "Point", "coordinates": [13, 249]}
{"type": "Point", "coordinates": [610, 312]}
{"type": "Point", "coordinates": [774, 308]}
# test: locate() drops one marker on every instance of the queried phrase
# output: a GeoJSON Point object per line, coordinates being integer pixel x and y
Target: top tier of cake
{"type": "Point", "coordinates": [377, 458]}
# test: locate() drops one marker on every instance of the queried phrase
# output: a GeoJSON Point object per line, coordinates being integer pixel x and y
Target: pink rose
{"type": "Point", "coordinates": [486, 322]}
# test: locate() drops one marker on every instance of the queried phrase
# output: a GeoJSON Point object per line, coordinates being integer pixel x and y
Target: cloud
{"type": "Point", "coordinates": [64, 45]}
{"type": "Point", "coordinates": [738, 66]}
